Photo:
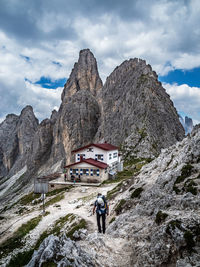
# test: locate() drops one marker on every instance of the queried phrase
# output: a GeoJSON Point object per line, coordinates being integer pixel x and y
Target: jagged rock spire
{"type": "Point", "coordinates": [83, 76]}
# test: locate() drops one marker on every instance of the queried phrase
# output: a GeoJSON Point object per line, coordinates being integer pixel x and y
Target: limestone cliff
{"type": "Point", "coordinates": [16, 134]}
{"type": "Point", "coordinates": [137, 111]}
{"type": "Point", "coordinates": [78, 116]}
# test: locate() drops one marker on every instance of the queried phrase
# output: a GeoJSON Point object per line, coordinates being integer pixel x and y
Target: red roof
{"type": "Point", "coordinates": [104, 146]}
{"type": "Point", "coordinates": [90, 161]}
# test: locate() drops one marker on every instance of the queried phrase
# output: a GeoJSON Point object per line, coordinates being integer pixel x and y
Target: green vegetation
{"type": "Point", "coordinates": [172, 225]}
{"type": "Point", "coordinates": [186, 171]}
{"type": "Point", "coordinates": [112, 220]}
{"type": "Point", "coordinates": [56, 229]}
{"type": "Point", "coordinates": [49, 264]}
{"type": "Point", "coordinates": [120, 206]}
{"type": "Point", "coordinates": [57, 191]}
{"type": "Point", "coordinates": [80, 225]}
{"type": "Point", "coordinates": [16, 241]}
{"type": "Point", "coordinates": [21, 259]}
{"type": "Point", "coordinates": [54, 200]}
{"type": "Point", "coordinates": [175, 188]}
{"type": "Point", "coordinates": [137, 192]}
{"type": "Point", "coordinates": [129, 161]}
{"type": "Point", "coordinates": [142, 133]}
{"type": "Point", "coordinates": [27, 199]}
{"type": "Point", "coordinates": [111, 193]}
{"type": "Point", "coordinates": [188, 235]}
{"type": "Point", "coordinates": [160, 217]}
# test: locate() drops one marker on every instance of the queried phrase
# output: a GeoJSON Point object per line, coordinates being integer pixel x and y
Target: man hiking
{"type": "Point", "coordinates": [101, 208]}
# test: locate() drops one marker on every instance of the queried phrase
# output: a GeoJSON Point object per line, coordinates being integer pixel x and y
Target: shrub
{"type": "Point", "coordinates": [112, 220]}
{"type": "Point", "coordinates": [186, 171]}
{"type": "Point", "coordinates": [189, 240]}
{"type": "Point", "coordinates": [119, 206]}
{"type": "Point", "coordinates": [137, 192]}
{"type": "Point", "coordinates": [160, 217]}
{"type": "Point", "coordinates": [21, 259]}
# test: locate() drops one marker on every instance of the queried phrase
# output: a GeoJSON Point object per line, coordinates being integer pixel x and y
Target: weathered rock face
{"type": "Point", "coordinates": [16, 134]}
{"type": "Point", "coordinates": [137, 111]}
{"type": "Point", "coordinates": [187, 124]}
{"type": "Point", "coordinates": [83, 76]}
{"type": "Point", "coordinates": [78, 116]}
{"type": "Point", "coordinates": [62, 251]}
{"type": "Point", "coordinates": [162, 222]}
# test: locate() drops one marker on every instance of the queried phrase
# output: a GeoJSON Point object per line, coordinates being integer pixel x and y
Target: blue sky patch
{"type": "Point", "coordinates": [46, 82]}
{"type": "Point", "coordinates": [189, 77]}
{"type": "Point", "coordinates": [25, 58]}
{"type": "Point", "coordinates": [57, 63]}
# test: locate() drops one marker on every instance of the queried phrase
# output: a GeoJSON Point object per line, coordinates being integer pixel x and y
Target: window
{"type": "Point", "coordinates": [74, 171]}
{"type": "Point", "coordinates": [110, 156]}
{"type": "Point", "coordinates": [115, 155]}
{"type": "Point", "coordinates": [90, 149]}
{"type": "Point", "coordinates": [98, 156]}
{"type": "Point", "coordinates": [84, 171]}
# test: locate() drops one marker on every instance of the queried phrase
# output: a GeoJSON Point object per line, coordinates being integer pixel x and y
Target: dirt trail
{"type": "Point", "coordinates": [79, 200]}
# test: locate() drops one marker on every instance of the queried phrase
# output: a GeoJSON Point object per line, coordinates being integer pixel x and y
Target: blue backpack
{"type": "Point", "coordinates": [101, 205]}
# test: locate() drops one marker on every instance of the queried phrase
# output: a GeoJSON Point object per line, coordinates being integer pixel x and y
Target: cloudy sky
{"type": "Point", "coordinates": [40, 41]}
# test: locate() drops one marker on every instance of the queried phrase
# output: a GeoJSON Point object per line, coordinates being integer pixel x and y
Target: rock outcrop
{"type": "Point", "coordinates": [62, 252]}
{"type": "Point", "coordinates": [137, 112]}
{"type": "Point", "coordinates": [16, 135]}
{"type": "Point", "coordinates": [78, 116]}
{"type": "Point", "coordinates": [160, 216]}
{"type": "Point", "coordinates": [187, 124]}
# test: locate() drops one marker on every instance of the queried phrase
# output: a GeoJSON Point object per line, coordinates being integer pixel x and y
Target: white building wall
{"type": "Point", "coordinates": [91, 154]}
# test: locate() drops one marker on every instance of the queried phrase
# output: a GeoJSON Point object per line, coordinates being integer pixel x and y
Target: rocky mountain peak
{"type": "Point", "coordinates": [137, 111]}
{"type": "Point", "coordinates": [83, 76]}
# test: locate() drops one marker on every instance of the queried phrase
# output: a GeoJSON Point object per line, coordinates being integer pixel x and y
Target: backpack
{"type": "Point", "coordinates": [101, 205]}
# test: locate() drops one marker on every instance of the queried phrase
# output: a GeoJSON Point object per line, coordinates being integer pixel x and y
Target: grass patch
{"type": "Point", "coordinates": [137, 193]}
{"type": "Point", "coordinates": [57, 191]}
{"type": "Point", "coordinates": [54, 200]}
{"type": "Point", "coordinates": [27, 199]}
{"type": "Point", "coordinates": [188, 236]}
{"type": "Point", "coordinates": [119, 206]}
{"type": "Point", "coordinates": [16, 241]}
{"type": "Point", "coordinates": [80, 225]}
{"type": "Point", "coordinates": [56, 229]}
{"type": "Point", "coordinates": [160, 217]}
{"type": "Point", "coordinates": [172, 225]}
{"type": "Point", "coordinates": [132, 160]}
{"type": "Point", "coordinates": [186, 171]}
{"type": "Point", "coordinates": [49, 264]}
{"type": "Point", "coordinates": [111, 193]}
{"type": "Point", "coordinates": [21, 259]}
{"type": "Point", "coordinates": [112, 220]}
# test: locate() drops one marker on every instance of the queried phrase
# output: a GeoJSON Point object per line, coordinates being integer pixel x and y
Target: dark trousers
{"type": "Point", "coordinates": [103, 216]}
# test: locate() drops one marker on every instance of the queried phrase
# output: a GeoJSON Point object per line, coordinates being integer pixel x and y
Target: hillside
{"type": "Point", "coordinates": [154, 218]}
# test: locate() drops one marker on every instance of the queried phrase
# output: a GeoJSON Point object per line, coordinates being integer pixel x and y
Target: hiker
{"type": "Point", "coordinates": [101, 208]}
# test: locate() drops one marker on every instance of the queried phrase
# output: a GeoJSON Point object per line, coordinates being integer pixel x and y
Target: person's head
{"type": "Point", "coordinates": [99, 195]}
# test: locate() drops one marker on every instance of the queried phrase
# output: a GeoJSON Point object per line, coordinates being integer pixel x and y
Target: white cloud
{"type": "Point", "coordinates": [164, 33]}
{"type": "Point", "coordinates": [186, 99]}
